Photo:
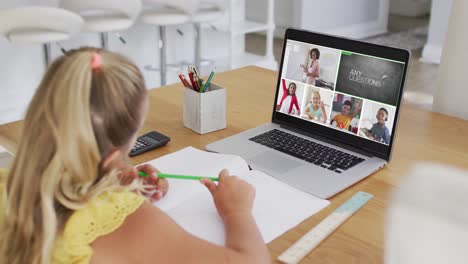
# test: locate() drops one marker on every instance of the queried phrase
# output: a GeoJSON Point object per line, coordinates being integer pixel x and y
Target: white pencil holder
{"type": "Point", "coordinates": [205, 112]}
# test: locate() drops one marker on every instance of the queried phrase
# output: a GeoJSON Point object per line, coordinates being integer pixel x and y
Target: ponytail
{"type": "Point", "coordinates": [77, 116]}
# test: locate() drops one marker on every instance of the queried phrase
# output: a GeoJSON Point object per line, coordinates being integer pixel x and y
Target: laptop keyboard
{"type": "Point", "coordinates": [307, 150]}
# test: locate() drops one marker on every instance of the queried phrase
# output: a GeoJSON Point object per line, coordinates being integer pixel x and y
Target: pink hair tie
{"type": "Point", "coordinates": [97, 61]}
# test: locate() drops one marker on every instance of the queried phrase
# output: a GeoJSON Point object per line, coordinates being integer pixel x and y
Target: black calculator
{"type": "Point", "coordinates": [149, 141]}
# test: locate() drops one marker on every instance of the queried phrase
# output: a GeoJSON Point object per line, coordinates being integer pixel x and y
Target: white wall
{"type": "Point", "coordinates": [334, 13]}
{"type": "Point", "coordinates": [353, 18]}
{"type": "Point", "coordinates": [440, 12]}
{"type": "Point", "coordinates": [452, 93]}
{"type": "Point", "coordinates": [413, 8]}
{"type": "Point", "coordinates": [286, 13]}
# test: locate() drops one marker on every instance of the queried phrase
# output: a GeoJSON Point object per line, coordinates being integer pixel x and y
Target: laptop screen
{"type": "Point", "coordinates": [351, 92]}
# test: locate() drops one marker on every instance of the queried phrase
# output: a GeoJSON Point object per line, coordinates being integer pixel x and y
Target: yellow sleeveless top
{"type": "Point", "coordinates": [100, 217]}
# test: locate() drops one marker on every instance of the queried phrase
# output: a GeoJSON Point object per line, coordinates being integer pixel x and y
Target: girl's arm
{"type": "Point", "coordinates": [285, 89]}
{"type": "Point", "coordinates": [314, 70]}
{"type": "Point", "coordinates": [296, 104]}
{"type": "Point", "coordinates": [285, 93]}
{"type": "Point", "coordinates": [324, 112]}
{"type": "Point", "coordinates": [324, 116]}
{"type": "Point", "coordinates": [303, 68]}
{"type": "Point", "coordinates": [281, 102]}
{"type": "Point", "coordinates": [307, 111]}
{"type": "Point", "coordinates": [317, 71]}
{"type": "Point", "coordinates": [151, 236]}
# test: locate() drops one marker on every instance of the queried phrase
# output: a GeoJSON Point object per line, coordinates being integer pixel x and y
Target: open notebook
{"type": "Point", "coordinates": [277, 207]}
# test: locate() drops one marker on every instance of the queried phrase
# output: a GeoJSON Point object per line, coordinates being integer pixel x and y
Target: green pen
{"type": "Point", "coordinates": [207, 83]}
{"type": "Point", "coordinates": [180, 177]}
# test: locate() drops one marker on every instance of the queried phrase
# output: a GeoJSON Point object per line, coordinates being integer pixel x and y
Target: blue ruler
{"type": "Point", "coordinates": [317, 234]}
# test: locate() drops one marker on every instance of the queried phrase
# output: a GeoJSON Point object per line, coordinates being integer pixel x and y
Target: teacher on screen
{"type": "Point", "coordinates": [313, 71]}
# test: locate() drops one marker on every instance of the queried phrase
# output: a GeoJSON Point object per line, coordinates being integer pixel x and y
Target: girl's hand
{"type": "Point", "coordinates": [322, 106]}
{"type": "Point", "coordinates": [232, 195]}
{"type": "Point", "coordinates": [160, 186]}
{"type": "Point", "coordinates": [304, 68]}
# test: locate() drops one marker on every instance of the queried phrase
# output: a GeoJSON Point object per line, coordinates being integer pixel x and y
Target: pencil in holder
{"type": "Point", "coordinates": [205, 112]}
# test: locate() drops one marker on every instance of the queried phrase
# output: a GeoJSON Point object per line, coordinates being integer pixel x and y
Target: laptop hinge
{"type": "Point", "coordinates": [329, 141]}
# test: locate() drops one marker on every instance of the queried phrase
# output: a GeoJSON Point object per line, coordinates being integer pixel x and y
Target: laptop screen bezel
{"type": "Point", "coordinates": [369, 146]}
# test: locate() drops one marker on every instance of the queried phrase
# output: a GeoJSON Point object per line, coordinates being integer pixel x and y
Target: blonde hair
{"type": "Point", "coordinates": [77, 116]}
{"type": "Point", "coordinates": [315, 92]}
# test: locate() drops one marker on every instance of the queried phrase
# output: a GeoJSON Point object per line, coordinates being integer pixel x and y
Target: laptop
{"type": "Point", "coordinates": [334, 116]}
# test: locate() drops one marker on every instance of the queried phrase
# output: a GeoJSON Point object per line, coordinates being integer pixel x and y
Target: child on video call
{"type": "Point", "coordinates": [313, 71]}
{"type": "Point", "coordinates": [379, 132]}
{"type": "Point", "coordinates": [315, 109]}
{"type": "Point", "coordinates": [344, 119]}
{"type": "Point", "coordinates": [289, 99]}
{"type": "Point", "coordinates": [71, 195]}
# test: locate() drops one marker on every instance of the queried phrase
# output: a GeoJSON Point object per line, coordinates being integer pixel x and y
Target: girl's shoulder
{"type": "Point", "coordinates": [101, 216]}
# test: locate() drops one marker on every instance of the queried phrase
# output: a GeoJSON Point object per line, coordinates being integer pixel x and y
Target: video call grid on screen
{"type": "Point", "coordinates": [341, 77]}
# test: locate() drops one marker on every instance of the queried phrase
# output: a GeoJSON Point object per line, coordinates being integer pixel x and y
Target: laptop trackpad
{"type": "Point", "coordinates": [274, 161]}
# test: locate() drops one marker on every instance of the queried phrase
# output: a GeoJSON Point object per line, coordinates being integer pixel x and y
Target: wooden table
{"type": "Point", "coordinates": [421, 135]}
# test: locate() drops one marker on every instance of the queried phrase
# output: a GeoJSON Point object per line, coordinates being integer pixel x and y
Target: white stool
{"type": "Point", "coordinates": [163, 13]}
{"type": "Point", "coordinates": [35, 24]}
{"type": "Point", "coordinates": [208, 11]}
{"type": "Point", "coordinates": [104, 16]}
